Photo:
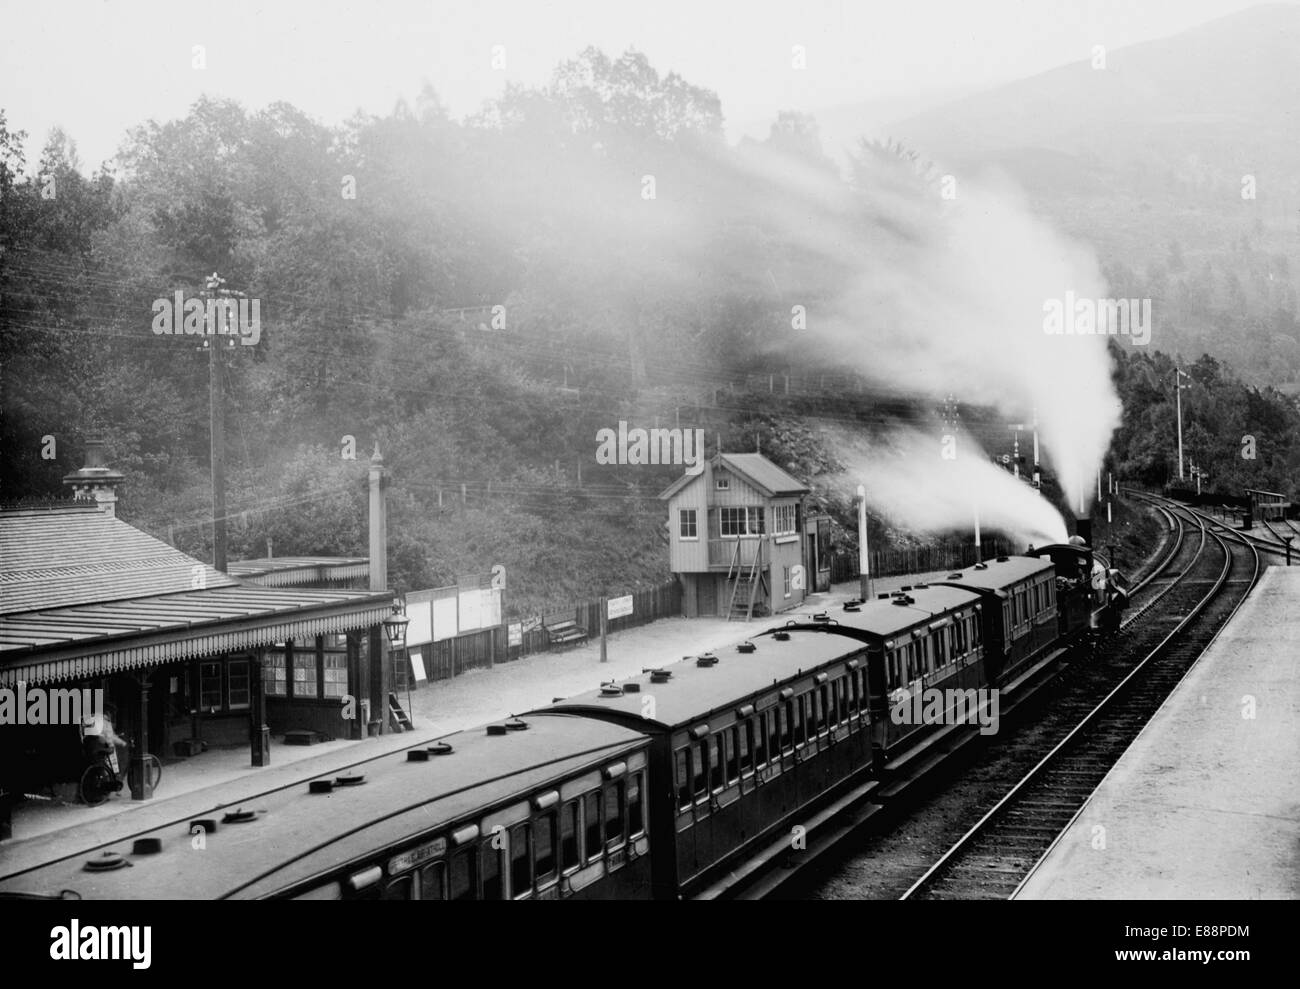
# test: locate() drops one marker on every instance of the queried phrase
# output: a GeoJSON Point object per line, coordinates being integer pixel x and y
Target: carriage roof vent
{"type": "Point", "coordinates": [980, 566]}
{"type": "Point", "coordinates": [706, 660]}
{"type": "Point", "coordinates": [441, 748]}
{"type": "Point", "coordinates": [746, 646]}
{"type": "Point", "coordinates": [632, 688]}
{"type": "Point", "coordinates": [516, 724]}
{"type": "Point", "coordinates": [821, 616]}
{"type": "Point", "coordinates": [611, 690]}
{"type": "Point", "coordinates": [496, 729]}
{"type": "Point", "coordinates": [921, 587]}
{"type": "Point", "coordinates": [660, 676]}
{"type": "Point", "coordinates": [1003, 559]}
{"type": "Point", "coordinates": [904, 600]}
{"type": "Point", "coordinates": [954, 576]}
{"type": "Point", "coordinates": [781, 636]}
{"type": "Point", "coordinates": [883, 594]}
{"type": "Point", "coordinates": [852, 605]}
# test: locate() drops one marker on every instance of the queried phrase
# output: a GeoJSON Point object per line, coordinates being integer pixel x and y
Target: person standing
{"type": "Point", "coordinates": [100, 737]}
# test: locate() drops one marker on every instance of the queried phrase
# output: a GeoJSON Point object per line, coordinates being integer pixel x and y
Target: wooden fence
{"type": "Point", "coordinates": [484, 648]}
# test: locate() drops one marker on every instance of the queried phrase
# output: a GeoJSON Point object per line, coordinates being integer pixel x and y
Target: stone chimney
{"type": "Point", "coordinates": [96, 480]}
{"type": "Point", "coordinates": [378, 523]}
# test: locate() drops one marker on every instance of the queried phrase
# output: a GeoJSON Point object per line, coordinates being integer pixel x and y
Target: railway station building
{"type": "Point", "coordinates": [187, 657]}
{"type": "Point", "coordinates": [738, 538]}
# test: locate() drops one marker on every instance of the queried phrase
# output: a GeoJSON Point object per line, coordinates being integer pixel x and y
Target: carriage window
{"type": "Point", "coordinates": [614, 812]}
{"type": "Point", "coordinates": [818, 708]}
{"type": "Point", "coordinates": [683, 779]}
{"type": "Point", "coordinates": [635, 811]}
{"type": "Point", "coordinates": [401, 888]}
{"type": "Point", "coordinates": [462, 879]}
{"type": "Point", "coordinates": [521, 873]}
{"type": "Point", "coordinates": [591, 821]}
{"type": "Point", "coordinates": [774, 731]}
{"type": "Point", "coordinates": [786, 715]}
{"type": "Point", "coordinates": [433, 881]}
{"type": "Point", "coordinates": [701, 759]}
{"type": "Point", "coordinates": [493, 885]}
{"type": "Point", "coordinates": [733, 755]}
{"type": "Point", "coordinates": [715, 763]}
{"type": "Point", "coordinates": [799, 726]}
{"type": "Point", "coordinates": [569, 853]}
{"type": "Point", "coordinates": [544, 847]}
{"type": "Point", "coordinates": [760, 740]}
{"type": "Point", "coordinates": [744, 747]}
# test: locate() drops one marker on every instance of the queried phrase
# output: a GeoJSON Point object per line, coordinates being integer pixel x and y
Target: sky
{"type": "Point", "coordinates": [99, 67]}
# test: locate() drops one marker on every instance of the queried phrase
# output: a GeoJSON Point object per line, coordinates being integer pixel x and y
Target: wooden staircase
{"type": "Point", "coordinates": [401, 721]}
{"type": "Point", "coordinates": [746, 583]}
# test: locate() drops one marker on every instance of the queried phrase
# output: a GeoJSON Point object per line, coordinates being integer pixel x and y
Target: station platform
{"type": "Point", "coordinates": [43, 830]}
{"type": "Point", "coordinates": [1205, 804]}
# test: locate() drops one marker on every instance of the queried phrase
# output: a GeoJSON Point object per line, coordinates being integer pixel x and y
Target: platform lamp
{"type": "Point", "coordinates": [395, 628]}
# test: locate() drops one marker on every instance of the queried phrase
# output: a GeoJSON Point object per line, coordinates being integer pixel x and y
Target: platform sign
{"type": "Point", "coordinates": [444, 618]}
{"type": "Point", "coordinates": [515, 634]}
{"type": "Point", "coordinates": [417, 666]}
{"type": "Point", "coordinates": [531, 624]}
{"type": "Point", "coordinates": [620, 607]}
{"type": "Point", "coordinates": [420, 630]}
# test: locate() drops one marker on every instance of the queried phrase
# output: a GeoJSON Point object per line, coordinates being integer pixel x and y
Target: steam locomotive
{"type": "Point", "coordinates": [694, 780]}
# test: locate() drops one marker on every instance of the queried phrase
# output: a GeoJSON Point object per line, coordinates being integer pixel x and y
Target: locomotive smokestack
{"type": "Point", "coordinates": [1083, 529]}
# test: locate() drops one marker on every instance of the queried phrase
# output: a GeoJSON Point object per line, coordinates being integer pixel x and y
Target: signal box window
{"type": "Point", "coordinates": [689, 524]}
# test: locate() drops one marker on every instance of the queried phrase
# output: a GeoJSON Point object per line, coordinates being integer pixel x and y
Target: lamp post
{"type": "Point", "coordinates": [395, 628]}
{"type": "Point", "coordinates": [864, 559]}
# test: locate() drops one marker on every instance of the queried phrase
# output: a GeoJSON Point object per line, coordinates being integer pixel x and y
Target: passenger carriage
{"type": "Point", "coordinates": [745, 744]}
{"type": "Point", "coordinates": [548, 808]}
{"type": "Point", "coordinates": [1020, 615]}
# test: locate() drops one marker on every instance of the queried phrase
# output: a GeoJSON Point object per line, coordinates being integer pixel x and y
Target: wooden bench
{"type": "Point", "coordinates": [563, 633]}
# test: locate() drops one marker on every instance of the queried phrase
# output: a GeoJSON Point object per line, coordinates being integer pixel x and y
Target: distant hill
{"type": "Point", "coordinates": [1145, 159]}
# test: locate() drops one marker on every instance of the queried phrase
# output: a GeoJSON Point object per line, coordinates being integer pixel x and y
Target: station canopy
{"type": "Point", "coordinates": [84, 594]}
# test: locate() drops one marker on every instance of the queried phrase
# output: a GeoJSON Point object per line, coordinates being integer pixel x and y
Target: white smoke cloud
{"type": "Point", "coordinates": [945, 297]}
{"type": "Point", "coordinates": [908, 481]}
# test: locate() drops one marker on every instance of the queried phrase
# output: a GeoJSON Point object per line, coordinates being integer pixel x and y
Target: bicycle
{"type": "Point", "coordinates": [102, 779]}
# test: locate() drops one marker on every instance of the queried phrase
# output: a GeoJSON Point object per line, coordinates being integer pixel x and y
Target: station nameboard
{"type": "Point", "coordinates": [619, 607]}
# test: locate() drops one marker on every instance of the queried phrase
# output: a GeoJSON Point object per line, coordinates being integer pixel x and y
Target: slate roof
{"type": "Point", "coordinates": [769, 479]}
{"type": "Point", "coordinates": [72, 554]}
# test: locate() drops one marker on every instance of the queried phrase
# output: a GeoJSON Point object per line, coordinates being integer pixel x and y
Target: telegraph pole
{"type": "Point", "coordinates": [216, 420]}
{"type": "Point", "coordinates": [864, 558]}
{"type": "Point", "coordinates": [1038, 482]}
{"type": "Point", "coordinates": [1179, 374]}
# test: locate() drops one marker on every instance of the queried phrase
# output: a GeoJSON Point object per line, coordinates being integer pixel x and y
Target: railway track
{"type": "Point", "coordinates": [1205, 578]}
